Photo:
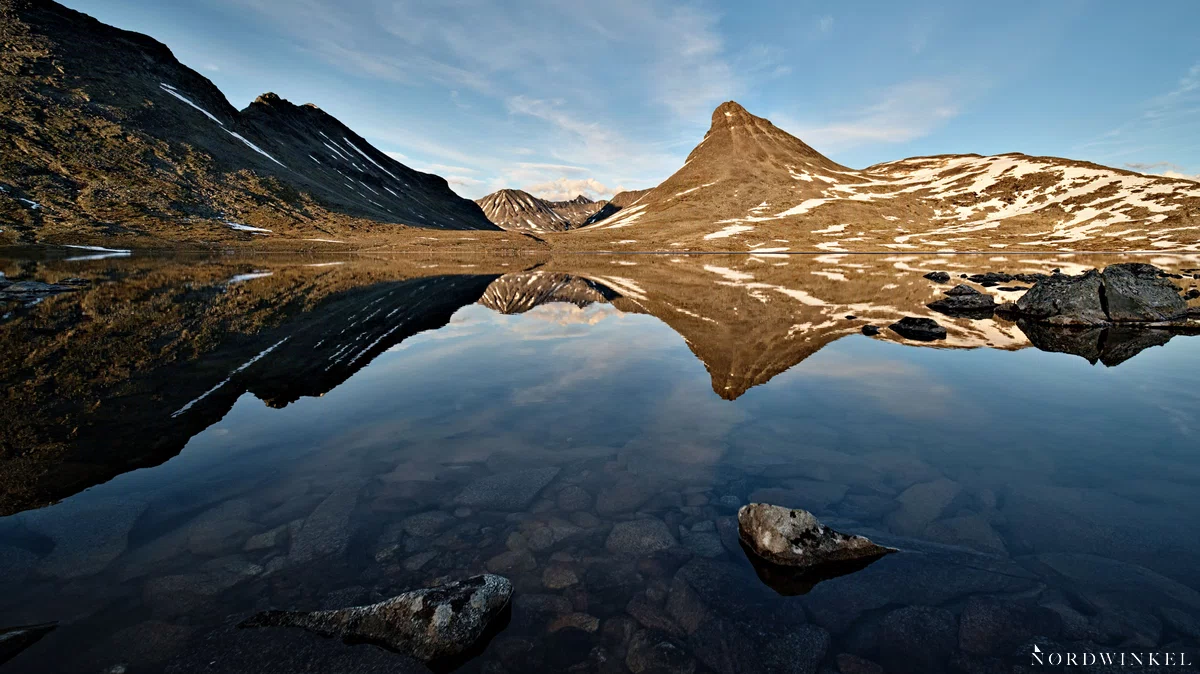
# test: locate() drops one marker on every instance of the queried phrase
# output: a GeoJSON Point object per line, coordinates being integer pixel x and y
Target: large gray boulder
{"type": "Point", "coordinates": [1066, 300]}
{"type": "Point", "coordinates": [1139, 292]}
{"type": "Point", "coordinates": [1122, 293]}
{"type": "Point", "coordinates": [795, 538]}
{"type": "Point", "coordinates": [437, 625]}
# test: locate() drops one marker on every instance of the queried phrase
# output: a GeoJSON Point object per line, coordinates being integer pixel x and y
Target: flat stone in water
{"type": "Point", "coordinates": [87, 534]}
{"type": "Point", "coordinates": [326, 531]}
{"type": "Point", "coordinates": [510, 491]}
{"type": "Point", "coordinates": [640, 537]}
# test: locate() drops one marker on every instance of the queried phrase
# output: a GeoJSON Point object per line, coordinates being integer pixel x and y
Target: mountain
{"type": "Point", "coordinates": [517, 209]}
{"type": "Point", "coordinates": [104, 132]}
{"type": "Point", "coordinates": [612, 206]}
{"type": "Point", "coordinates": [749, 185]}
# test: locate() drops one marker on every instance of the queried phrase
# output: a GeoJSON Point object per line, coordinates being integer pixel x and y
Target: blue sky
{"type": "Point", "coordinates": [562, 97]}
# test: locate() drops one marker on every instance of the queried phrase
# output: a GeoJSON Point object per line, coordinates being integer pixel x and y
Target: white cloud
{"type": "Point", "coordinates": [563, 189]}
{"type": "Point", "coordinates": [825, 24]}
{"type": "Point", "coordinates": [901, 113]}
{"type": "Point", "coordinates": [398, 156]}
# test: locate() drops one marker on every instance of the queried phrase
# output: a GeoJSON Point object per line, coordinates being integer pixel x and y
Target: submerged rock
{"type": "Point", "coordinates": [13, 640]}
{"type": "Point", "coordinates": [920, 329]}
{"type": "Point", "coordinates": [440, 625]}
{"type": "Point", "coordinates": [510, 491]}
{"type": "Point", "coordinates": [795, 538]}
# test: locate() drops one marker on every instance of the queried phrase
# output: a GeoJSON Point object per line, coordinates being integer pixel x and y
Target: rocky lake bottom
{"type": "Point", "coordinates": [191, 441]}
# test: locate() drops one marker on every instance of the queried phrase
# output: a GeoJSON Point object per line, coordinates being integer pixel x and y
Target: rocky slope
{"type": "Point", "coordinates": [103, 132]}
{"type": "Point", "coordinates": [749, 185]}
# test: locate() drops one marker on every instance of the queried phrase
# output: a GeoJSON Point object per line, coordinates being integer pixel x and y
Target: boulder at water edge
{"type": "Point", "coordinates": [438, 625]}
{"type": "Point", "coordinates": [795, 538]}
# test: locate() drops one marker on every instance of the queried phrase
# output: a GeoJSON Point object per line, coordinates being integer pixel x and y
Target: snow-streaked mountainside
{"type": "Point", "coordinates": [109, 134]}
{"type": "Point", "coordinates": [749, 185]}
{"type": "Point", "coordinates": [516, 209]}
{"type": "Point", "coordinates": [520, 210]}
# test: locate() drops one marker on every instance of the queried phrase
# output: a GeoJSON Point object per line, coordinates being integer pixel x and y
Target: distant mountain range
{"type": "Point", "coordinates": [105, 132]}
{"type": "Point", "coordinates": [104, 135]}
{"type": "Point", "coordinates": [519, 210]}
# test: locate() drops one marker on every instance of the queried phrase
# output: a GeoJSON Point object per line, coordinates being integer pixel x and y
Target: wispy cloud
{"type": "Point", "coordinates": [825, 24]}
{"type": "Point", "coordinates": [1173, 114]}
{"type": "Point", "coordinates": [900, 113]}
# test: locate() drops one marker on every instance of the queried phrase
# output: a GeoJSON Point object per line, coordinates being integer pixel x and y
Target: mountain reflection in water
{"type": "Point", "coordinates": [389, 384]}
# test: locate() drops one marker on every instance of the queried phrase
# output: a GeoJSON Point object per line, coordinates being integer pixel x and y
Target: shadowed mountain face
{"type": "Point", "coordinates": [127, 359]}
{"type": "Point", "coordinates": [103, 131]}
{"type": "Point", "coordinates": [749, 185]}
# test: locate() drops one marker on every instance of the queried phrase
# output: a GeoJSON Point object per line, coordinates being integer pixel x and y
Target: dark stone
{"type": "Point", "coordinates": [795, 538]}
{"type": "Point", "coordinates": [965, 302]}
{"type": "Point", "coordinates": [1192, 294]}
{"type": "Point", "coordinates": [870, 330]}
{"type": "Point", "coordinates": [991, 278]}
{"type": "Point", "coordinates": [1012, 289]}
{"type": "Point", "coordinates": [917, 640]}
{"type": "Point", "coordinates": [919, 329]}
{"type": "Point", "coordinates": [657, 653]}
{"type": "Point", "coordinates": [962, 290]}
{"type": "Point", "coordinates": [1122, 293]}
{"type": "Point", "coordinates": [851, 317]}
{"type": "Point", "coordinates": [1066, 300]}
{"type": "Point", "coordinates": [1138, 292]}
{"type": "Point", "coordinates": [441, 625]}
{"type": "Point", "coordinates": [13, 640]}
{"type": "Point", "coordinates": [938, 277]}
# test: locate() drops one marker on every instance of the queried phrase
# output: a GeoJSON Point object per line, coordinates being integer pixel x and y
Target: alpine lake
{"type": "Point", "coordinates": [186, 441]}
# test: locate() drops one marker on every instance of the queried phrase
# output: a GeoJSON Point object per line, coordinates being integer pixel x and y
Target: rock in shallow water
{"type": "Point", "coordinates": [1128, 292]}
{"type": "Point", "coordinates": [438, 625]}
{"type": "Point", "coordinates": [511, 491]}
{"type": "Point", "coordinates": [920, 329]}
{"type": "Point", "coordinates": [795, 538]}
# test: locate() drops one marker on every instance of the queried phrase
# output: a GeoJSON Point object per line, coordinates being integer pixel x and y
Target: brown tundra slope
{"type": "Point", "coordinates": [749, 185]}
{"type": "Point", "coordinates": [104, 134]}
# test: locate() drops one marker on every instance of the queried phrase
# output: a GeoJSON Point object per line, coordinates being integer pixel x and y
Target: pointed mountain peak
{"type": "Point", "coordinates": [730, 111]}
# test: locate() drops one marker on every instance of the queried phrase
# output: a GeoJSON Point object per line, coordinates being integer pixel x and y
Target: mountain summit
{"type": "Point", "coordinates": [749, 185]}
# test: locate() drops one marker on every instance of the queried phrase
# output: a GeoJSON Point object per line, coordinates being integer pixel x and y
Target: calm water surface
{"type": "Point", "coordinates": [221, 436]}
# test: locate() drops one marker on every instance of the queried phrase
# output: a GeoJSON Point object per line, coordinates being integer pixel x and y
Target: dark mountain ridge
{"type": "Point", "coordinates": [105, 132]}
